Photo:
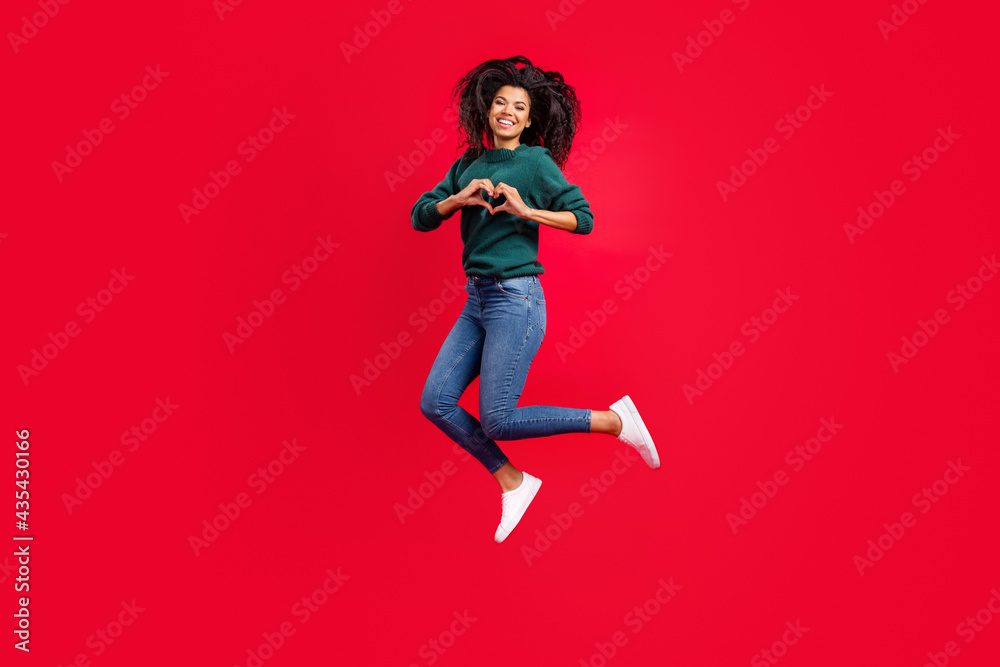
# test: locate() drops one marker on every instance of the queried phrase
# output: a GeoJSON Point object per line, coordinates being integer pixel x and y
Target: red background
{"type": "Point", "coordinates": [651, 182]}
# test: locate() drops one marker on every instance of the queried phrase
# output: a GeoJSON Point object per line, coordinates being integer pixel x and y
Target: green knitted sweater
{"type": "Point", "coordinates": [503, 245]}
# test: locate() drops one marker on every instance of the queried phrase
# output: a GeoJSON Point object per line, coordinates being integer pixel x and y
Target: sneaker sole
{"type": "Point", "coordinates": [532, 491]}
{"type": "Point", "coordinates": [648, 439]}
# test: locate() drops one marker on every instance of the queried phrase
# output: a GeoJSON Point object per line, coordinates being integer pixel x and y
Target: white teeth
{"type": "Point", "coordinates": [506, 123]}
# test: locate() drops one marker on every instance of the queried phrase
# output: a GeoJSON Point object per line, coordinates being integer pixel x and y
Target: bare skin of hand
{"type": "Point", "coordinates": [514, 204]}
{"type": "Point", "coordinates": [471, 195]}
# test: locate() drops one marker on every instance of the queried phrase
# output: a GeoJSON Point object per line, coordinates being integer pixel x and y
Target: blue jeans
{"type": "Point", "coordinates": [495, 338]}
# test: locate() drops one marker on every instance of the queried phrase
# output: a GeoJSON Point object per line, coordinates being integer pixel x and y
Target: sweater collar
{"type": "Point", "coordinates": [502, 154]}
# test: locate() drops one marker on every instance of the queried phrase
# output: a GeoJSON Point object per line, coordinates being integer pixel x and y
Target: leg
{"type": "Point", "coordinates": [508, 477]}
{"type": "Point", "coordinates": [605, 421]}
{"type": "Point", "coordinates": [456, 366]}
{"type": "Point", "coordinates": [601, 421]}
{"type": "Point", "coordinates": [514, 320]}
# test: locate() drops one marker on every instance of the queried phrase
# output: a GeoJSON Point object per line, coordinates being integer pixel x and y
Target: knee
{"type": "Point", "coordinates": [493, 428]}
{"type": "Point", "coordinates": [433, 407]}
{"type": "Point", "coordinates": [429, 406]}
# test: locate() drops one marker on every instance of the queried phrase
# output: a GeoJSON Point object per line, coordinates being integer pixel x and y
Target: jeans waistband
{"type": "Point", "coordinates": [479, 280]}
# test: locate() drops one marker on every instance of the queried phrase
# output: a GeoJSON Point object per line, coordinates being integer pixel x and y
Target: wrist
{"type": "Point", "coordinates": [447, 205]}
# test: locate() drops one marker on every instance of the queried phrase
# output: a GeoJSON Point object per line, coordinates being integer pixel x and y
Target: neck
{"type": "Point", "coordinates": [511, 143]}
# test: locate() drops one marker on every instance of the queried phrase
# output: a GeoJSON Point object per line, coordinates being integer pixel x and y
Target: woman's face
{"type": "Point", "coordinates": [509, 113]}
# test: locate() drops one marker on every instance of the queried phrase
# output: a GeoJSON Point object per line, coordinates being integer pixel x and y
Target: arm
{"type": "Point", "coordinates": [427, 214]}
{"type": "Point", "coordinates": [565, 220]}
{"type": "Point", "coordinates": [439, 204]}
{"type": "Point", "coordinates": [560, 203]}
{"type": "Point", "coordinates": [447, 206]}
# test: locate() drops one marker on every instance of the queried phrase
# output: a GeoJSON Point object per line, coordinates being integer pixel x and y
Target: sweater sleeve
{"type": "Point", "coordinates": [424, 215]}
{"type": "Point", "coordinates": [555, 193]}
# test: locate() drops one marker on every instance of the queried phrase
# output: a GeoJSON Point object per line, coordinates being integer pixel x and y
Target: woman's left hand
{"type": "Point", "coordinates": [514, 204]}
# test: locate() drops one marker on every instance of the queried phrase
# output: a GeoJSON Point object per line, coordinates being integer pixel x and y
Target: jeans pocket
{"type": "Point", "coordinates": [540, 314]}
{"type": "Point", "coordinates": [513, 287]}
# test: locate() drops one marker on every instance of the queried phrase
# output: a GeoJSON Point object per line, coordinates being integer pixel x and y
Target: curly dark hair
{"type": "Point", "coordinates": [554, 108]}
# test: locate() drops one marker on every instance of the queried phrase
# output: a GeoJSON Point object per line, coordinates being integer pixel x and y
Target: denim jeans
{"type": "Point", "coordinates": [495, 338]}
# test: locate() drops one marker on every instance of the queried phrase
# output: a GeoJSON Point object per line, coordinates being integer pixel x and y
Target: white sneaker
{"type": "Point", "coordinates": [515, 502]}
{"type": "Point", "coordinates": [634, 433]}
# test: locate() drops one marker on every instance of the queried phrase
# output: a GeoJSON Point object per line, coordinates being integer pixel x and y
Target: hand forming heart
{"type": "Point", "coordinates": [512, 202]}
{"type": "Point", "coordinates": [503, 197]}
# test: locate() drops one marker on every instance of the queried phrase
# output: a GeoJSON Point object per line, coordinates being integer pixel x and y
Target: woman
{"type": "Point", "coordinates": [519, 124]}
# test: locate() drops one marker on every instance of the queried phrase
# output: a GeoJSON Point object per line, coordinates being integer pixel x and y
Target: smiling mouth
{"type": "Point", "coordinates": [503, 122]}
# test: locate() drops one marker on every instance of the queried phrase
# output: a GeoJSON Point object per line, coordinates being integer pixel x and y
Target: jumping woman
{"type": "Point", "coordinates": [519, 124]}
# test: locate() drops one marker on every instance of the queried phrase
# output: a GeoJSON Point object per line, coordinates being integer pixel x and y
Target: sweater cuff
{"type": "Point", "coordinates": [429, 215]}
{"type": "Point", "coordinates": [584, 224]}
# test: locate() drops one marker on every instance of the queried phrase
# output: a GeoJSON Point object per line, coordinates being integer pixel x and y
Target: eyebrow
{"type": "Point", "coordinates": [501, 97]}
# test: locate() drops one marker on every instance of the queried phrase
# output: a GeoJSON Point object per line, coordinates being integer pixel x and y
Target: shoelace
{"type": "Point", "coordinates": [507, 503]}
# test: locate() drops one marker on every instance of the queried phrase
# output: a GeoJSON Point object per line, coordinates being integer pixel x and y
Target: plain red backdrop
{"type": "Point", "coordinates": [351, 129]}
